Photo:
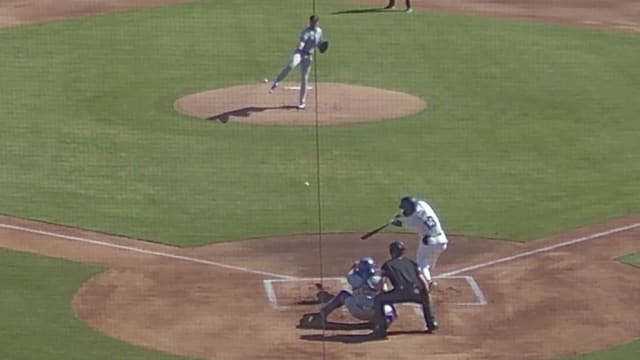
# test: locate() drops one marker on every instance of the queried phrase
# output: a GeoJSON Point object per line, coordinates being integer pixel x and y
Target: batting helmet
{"type": "Point", "coordinates": [408, 205]}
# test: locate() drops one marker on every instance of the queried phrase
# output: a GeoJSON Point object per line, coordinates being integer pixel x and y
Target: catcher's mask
{"type": "Point", "coordinates": [397, 249]}
{"type": "Point", "coordinates": [408, 205]}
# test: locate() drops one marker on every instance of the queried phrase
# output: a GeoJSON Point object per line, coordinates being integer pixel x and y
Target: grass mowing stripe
{"type": "Point", "coordinates": [530, 128]}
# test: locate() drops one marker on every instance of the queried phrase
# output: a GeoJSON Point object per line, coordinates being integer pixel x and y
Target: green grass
{"type": "Point", "coordinates": [632, 259]}
{"type": "Point", "coordinates": [630, 351]}
{"type": "Point", "coordinates": [531, 129]}
{"type": "Point", "coordinates": [37, 319]}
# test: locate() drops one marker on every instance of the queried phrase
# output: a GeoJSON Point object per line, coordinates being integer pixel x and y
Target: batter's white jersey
{"type": "Point", "coordinates": [426, 222]}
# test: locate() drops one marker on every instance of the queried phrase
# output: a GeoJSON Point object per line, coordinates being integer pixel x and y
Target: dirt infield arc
{"type": "Point", "coordinates": [336, 104]}
{"type": "Point", "coordinates": [209, 302]}
{"type": "Point", "coordinates": [621, 15]}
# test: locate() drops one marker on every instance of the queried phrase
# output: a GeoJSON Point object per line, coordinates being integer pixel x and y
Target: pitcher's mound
{"type": "Point", "coordinates": [337, 104]}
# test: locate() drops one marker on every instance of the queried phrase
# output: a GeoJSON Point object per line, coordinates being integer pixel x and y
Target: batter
{"type": "Point", "coordinates": [420, 216]}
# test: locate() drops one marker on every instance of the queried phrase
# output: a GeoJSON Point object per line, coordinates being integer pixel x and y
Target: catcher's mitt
{"type": "Point", "coordinates": [323, 46]}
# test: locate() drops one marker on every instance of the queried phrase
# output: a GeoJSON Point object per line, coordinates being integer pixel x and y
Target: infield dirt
{"type": "Point", "coordinates": [211, 301]}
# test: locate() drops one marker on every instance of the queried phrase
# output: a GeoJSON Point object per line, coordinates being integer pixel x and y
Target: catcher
{"type": "Point", "coordinates": [366, 284]}
{"type": "Point", "coordinates": [310, 39]}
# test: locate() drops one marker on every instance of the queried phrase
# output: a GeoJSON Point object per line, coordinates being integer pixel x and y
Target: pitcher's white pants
{"type": "Point", "coordinates": [304, 61]}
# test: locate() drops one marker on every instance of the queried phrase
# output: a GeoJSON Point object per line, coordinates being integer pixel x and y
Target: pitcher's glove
{"type": "Point", "coordinates": [323, 46]}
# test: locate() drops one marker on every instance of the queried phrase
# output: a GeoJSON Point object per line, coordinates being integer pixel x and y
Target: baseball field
{"type": "Point", "coordinates": [157, 202]}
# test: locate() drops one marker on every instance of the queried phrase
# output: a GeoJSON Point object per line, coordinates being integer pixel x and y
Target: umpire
{"type": "Point", "coordinates": [409, 285]}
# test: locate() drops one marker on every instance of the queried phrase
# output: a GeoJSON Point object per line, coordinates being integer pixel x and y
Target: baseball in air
{"type": "Point", "coordinates": [265, 80]}
{"type": "Point", "coordinates": [306, 183]}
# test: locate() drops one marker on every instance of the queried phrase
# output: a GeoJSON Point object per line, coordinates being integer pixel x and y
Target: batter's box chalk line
{"type": "Point", "coordinates": [297, 88]}
{"type": "Point", "coordinates": [480, 298]}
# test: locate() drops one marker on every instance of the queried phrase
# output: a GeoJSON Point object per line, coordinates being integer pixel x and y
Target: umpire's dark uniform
{"type": "Point", "coordinates": [409, 285]}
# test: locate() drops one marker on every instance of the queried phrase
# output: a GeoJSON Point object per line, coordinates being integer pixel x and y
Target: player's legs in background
{"type": "Point", "coordinates": [294, 60]}
{"type": "Point", "coordinates": [305, 69]}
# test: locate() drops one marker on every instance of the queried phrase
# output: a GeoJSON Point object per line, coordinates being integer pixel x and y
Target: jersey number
{"type": "Point", "coordinates": [430, 222]}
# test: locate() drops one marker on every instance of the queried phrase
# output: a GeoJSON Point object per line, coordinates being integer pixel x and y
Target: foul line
{"type": "Point", "coordinates": [147, 252]}
{"type": "Point", "coordinates": [288, 277]}
{"type": "Point", "coordinates": [540, 250]}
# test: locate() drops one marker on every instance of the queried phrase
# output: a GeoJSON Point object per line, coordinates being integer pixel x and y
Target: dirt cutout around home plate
{"type": "Point", "coordinates": [243, 299]}
{"type": "Point", "coordinates": [334, 103]}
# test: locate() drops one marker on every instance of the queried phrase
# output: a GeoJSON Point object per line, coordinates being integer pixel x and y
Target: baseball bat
{"type": "Point", "coordinates": [374, 231]}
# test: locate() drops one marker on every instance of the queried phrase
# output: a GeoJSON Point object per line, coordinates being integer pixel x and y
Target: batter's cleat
{"type": "Point", "coordinates": [301, 106]}
{"type": "Point", "coordinates": [389, 7]}
{"type": "Point", "coordinates": [273, 88]}
{"type": "Point", "coordinates": [408, 10]}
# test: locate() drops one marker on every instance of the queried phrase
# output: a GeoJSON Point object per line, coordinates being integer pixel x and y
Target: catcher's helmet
{"type": "Point", "coordinates": [408, 205]}
{"type": "Point", "coordinates": [397, 248]}
{"type": "Point", "coordinates": [366, 267]}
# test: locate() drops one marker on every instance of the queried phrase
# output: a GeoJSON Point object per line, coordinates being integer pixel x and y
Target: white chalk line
{"type": "Point", "coordinates": [288, 277]}
{"type": "Point", "coordinates": [481, 299]}
{"type": "Point", "coordinates": [273, 298]}
{"type": "Point", "coordinates": [540, 250]}
{"type": "Point", "coordinates": [146, 252]}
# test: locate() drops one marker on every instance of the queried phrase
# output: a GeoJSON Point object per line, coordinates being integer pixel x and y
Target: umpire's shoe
{"type": "Point", "coordinates": [432, 329]}
{"type": "Point", "coordinates": [379, 333]}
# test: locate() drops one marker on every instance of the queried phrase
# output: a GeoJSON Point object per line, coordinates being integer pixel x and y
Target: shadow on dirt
{"type": "Point", "coordinates": [345, 338]}
{"type": "Point", "coordinates": [357, 338]}
{"type": "Point", "coordinates": [364, 11]}
{"type": "Point", "coordinates": [336, 326]}
{"type": "Point", "coordinates": [246, 112]}
{"type": "Point", "coordinates": [322, 297]}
